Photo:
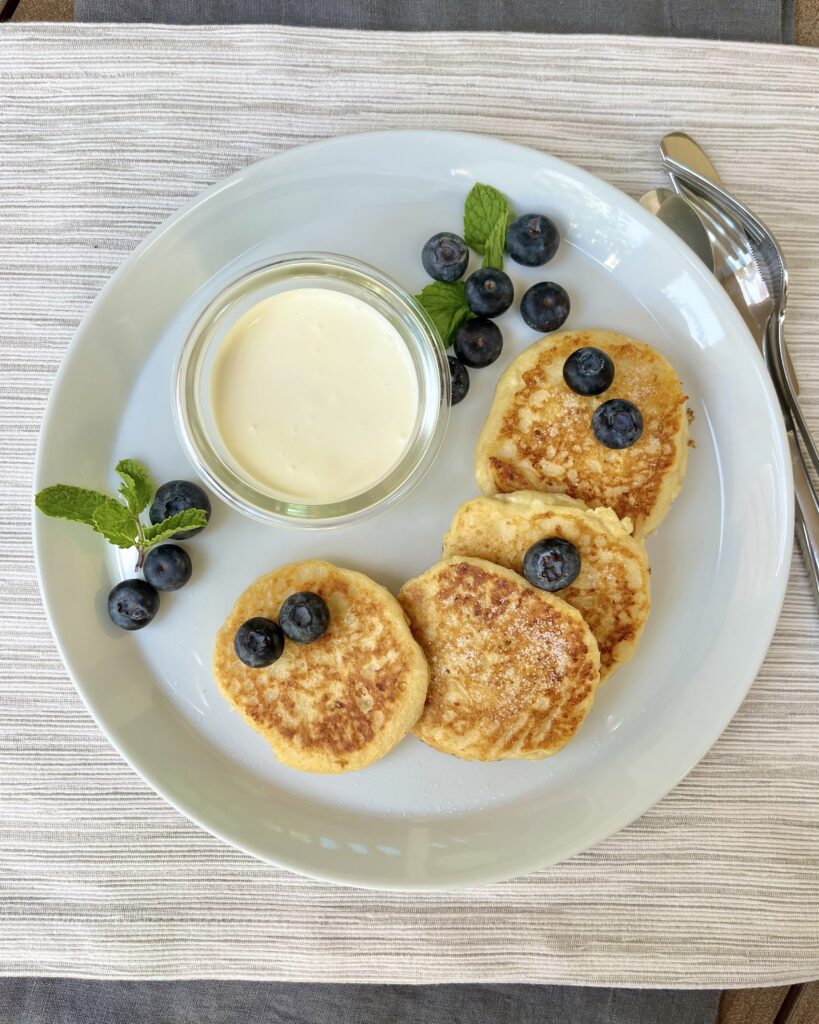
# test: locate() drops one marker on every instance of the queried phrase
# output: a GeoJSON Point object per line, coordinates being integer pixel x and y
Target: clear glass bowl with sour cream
{"type": "Point", "coordinates": [313, 391]}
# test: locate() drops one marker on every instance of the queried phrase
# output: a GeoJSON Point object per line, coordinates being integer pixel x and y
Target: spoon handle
{"type": "Point", "coordinates": [807, 515]}
{"type": "Point", "coordinates": [773, 354]}
{"type": "Point", "coordinates": [805, 496]}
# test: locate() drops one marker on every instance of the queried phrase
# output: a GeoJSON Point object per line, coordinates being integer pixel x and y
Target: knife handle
{"type": "Point", "coordinates": [807, 514]}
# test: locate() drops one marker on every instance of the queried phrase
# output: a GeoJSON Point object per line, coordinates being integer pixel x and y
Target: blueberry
{"type": "Point", "coordinates": [460, 380]}
{"type": "Point", "coordinates": [178, 496]}
{"type": "Point", "coordinates": [478, 342]}
{"type": "Point", "coordinates": [588, 371]}
{"type": "Point", "coordinates": [445, 256]}
{"type": "Point", "coordinates": [304, 617]}
{"type": "Point", "coordinates": [532, 240]}
{"type": "Point", "coordinates": [167, 567]}
{"type": "Point", "coordinates": [617, 423]}
{"type": "Point", "coordinates": [132, 604]}
{"type": "Point", "coordinates": [258, 642]}
{"type": "Point", "coordinates": [545, 306]}
{"type": "Point", "coordinates": [551, 564]}
{"type": "Point", "coordinates": [489, 292]}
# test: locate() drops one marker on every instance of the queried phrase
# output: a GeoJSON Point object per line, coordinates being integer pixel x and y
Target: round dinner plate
{"type": "Point", "coordinates": [417, 819]}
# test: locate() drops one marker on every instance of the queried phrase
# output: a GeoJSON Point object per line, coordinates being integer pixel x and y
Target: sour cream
{"type": "Point", "coordinates": [314, 395]}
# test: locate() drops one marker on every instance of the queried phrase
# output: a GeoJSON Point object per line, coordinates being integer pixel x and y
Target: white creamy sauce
{"type": "Point", "coordinates": [314, 394]}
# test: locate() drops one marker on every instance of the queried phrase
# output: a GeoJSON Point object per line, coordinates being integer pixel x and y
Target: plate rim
{"type": "Point", "coordinates": [706, 281]}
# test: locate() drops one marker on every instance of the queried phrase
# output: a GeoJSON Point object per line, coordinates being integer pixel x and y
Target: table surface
{"type": "Point", "coordinates": [105, 131]}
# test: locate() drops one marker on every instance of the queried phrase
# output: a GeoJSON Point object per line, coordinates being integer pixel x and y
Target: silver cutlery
{"type": "Point", "coordinates": [682, 149]}
{"type": "Point", "coordinates": [735, 267]}
{"type": "Point", "coordinates": [732, 231]}
{"type": "Point", "coordinates": [729, 255]}
{"type": "Point", "coordinates": [769, 261]}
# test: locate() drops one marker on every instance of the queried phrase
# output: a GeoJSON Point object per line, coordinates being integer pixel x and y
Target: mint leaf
{"type": "Point", "coordinates": [496, 243]}
{"type": "Point", "coordinates": [187, 520]}
{"type": "Point", "coordinates": [74, 503]}
{"type": "Point", "coordinates": [465, 313]}
{"type": "Point", "coordinates": [116, 523]}
{"type": "Point", "coordinates": [445, 304]}
{"type": "Point", "coordinates": [484, 207]}
{"type": "Point", "coordinates": [104, 514]}
{"type": "Point", "coordinates": [137, 487]}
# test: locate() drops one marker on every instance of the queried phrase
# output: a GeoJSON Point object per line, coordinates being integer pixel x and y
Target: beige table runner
{"type": "Point", "coordinates": [104, 131]}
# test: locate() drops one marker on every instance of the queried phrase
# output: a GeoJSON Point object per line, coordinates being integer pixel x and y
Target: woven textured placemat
{"type": "Point", "coordinates": [104, 131]}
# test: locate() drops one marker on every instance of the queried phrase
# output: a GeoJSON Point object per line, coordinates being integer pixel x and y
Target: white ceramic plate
{"type": "Point", "coordinates": [418, 819]}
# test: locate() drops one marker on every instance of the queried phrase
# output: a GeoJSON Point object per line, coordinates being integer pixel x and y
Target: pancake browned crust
{"type": "Point", "coordinates": [538, 433]}
{"type": "Point", "coordinates": [512, 669]}
{"type": "Point", "coordinates": [343, 701]}
{"type": "Point", "coordinates": [612, 589]}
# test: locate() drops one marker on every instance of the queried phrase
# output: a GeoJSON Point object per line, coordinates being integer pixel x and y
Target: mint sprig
{"type": "Point", "coordinates": [118, 521]}
{"type": "Point", "coordinates": [486, 218]}
{"type": "Point", "coordinates": [495, 243]}
{"type": "Point", "coordinates": [445, 303]}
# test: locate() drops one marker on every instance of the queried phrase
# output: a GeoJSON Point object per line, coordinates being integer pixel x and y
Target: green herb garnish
{"type": "Point", "coordinates": [486, 217]}
{"type": "Point", "coordinates": [445, 302]}
{"type": "Point", "coordinates": [495, 243]}
{"type": "Point", "coordinates": [118, 521]}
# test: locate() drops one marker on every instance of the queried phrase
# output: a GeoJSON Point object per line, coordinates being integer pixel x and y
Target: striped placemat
{"type": "Point", "coordinates": [104, 131]}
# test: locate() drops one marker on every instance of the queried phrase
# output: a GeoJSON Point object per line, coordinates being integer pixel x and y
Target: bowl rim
{"type": "Point", "coordinates": [429, 361]}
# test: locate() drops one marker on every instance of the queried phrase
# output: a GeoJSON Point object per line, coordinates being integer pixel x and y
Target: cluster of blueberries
{"type": "Point", "coordinates": [532, 240]}
{"type": "Point", "coordinates": [616, 423]}
{"type": "Point", "coordinates": [304, 617]}
{"type": "Point", "coordinates": [132, 604]}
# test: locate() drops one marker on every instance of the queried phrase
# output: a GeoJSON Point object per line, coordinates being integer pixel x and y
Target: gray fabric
{"type": "Point", "coordinates": [63, 1001]}
{"type": "Point", "coordinates": [766, 21]}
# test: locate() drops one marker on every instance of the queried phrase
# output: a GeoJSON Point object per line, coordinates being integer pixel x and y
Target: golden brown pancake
{"type": "Point", "coordinates": [343, 701]}
{"type": "Point", "coordinates": [538, 434]}
{"type": "Point", "coordinates": [612, 590]}
{"type": "Point", "coordinates": [513, 669]}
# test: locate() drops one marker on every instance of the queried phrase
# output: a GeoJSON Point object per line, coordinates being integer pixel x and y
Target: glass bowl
{"type": "Point", "coordinates": [192, 387]}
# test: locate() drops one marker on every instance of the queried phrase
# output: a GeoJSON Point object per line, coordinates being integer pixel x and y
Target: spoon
{"type": "Point", "coordinates": [679, 215]}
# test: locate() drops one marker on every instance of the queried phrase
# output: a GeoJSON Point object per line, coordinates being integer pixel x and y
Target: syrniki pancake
{"type": "Point", "coordinates": [612, 590]}
{"type": "Point", "coordinates": [343, 701]}
{"type": "Point", "coordinates": [538, 435]}
{"type": "Point", "coordinates": [513, 669]}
